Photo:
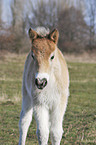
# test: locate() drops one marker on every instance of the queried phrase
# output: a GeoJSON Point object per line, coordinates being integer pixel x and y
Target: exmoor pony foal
{"type": "Point", "coordinates": [45, 88]}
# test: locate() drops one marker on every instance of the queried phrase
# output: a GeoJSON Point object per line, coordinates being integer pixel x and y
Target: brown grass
{"type": "Point", "coordinates": [89, 57]}
{"type": "Point", "coordinates": [84, 57]}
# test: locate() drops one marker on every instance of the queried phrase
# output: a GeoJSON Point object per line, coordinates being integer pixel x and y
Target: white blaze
{"type": "Point", "coordinates": [41, 76]}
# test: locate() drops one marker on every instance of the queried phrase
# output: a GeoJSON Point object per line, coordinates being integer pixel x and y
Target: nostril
{"type": "Point", "coordinates": [37, 81]}
{"type": "Point", "coordinates": [41, 83]}
{"type": "Point", "coordinates": [44, 82]}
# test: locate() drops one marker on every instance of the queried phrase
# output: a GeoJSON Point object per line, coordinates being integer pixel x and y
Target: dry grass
{"type": "Point", "coordinates": [84, 57]}
{"type": "Point", "coordinates": [89, 57]}
{"type": "Point", "coordinates": [16, 98]}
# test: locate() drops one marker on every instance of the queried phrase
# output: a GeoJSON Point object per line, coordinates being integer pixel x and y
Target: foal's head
{"type": "Point", "coordinates": [43, 55]}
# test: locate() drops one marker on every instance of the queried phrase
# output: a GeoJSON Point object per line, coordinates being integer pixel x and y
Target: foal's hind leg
{"type": "Point", "coordinates": [25, 120]}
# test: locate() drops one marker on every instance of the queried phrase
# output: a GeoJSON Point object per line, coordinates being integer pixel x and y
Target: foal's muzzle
{"type": "Point", "coordinates": [40, 83]}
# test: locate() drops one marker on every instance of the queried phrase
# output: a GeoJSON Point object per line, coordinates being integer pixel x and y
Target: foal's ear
{"type": "Point", "coordinates": [32, 34]}
{"type": "Point", "coordinates": [54, 36]}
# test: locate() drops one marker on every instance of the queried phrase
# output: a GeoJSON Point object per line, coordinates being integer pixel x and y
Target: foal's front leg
{"type": "Point", "coordinates": [56, 131]}
{"type": "Point", "coordinates": [25, 120]}
{"type": "Point", "coordinates": [56, 124]}
{"type": "Point", "coordinates": [42, 120]}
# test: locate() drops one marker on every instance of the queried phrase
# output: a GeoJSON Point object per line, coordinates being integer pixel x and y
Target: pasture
{"type": "Point", "coordinates": [80, 118]}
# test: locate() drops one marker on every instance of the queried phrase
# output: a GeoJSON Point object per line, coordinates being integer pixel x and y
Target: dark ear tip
{"type": "Point", "coordinates": [54, 35]}
{"type": "Point", "coordinates": [55, 31]}
{"type": "Point", "coordinates": [32, 34]}
{"type": "Point", "coordinates": [29, 30]}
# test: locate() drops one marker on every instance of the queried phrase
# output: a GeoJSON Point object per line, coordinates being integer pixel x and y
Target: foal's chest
{"type": "Point", "coordinates": [49, 96]}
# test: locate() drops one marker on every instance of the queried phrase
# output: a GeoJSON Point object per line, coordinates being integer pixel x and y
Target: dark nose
{"type": "Point", "coordinates": [40, 83]}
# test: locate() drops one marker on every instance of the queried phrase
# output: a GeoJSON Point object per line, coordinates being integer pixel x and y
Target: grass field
{"type": "Point", "coordinates": [80, 118]}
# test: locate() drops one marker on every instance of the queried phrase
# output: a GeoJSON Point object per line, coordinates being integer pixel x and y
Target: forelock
{"type": "Point", "coordinates": [42, 31]}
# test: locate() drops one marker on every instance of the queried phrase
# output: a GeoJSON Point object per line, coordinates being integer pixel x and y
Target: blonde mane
{"type": "Point", "coordinates": [42, 31]}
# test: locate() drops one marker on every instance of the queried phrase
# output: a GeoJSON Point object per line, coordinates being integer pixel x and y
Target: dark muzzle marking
{"type": "Point", "coordinates": [40, 83]}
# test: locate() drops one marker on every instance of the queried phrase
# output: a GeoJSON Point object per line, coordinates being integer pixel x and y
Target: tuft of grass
{"type": "Point", "coordinates": [80, 118]}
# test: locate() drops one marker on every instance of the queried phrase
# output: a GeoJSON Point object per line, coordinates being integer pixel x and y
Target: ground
{"type": "Point", "coordinates": [80, 118]}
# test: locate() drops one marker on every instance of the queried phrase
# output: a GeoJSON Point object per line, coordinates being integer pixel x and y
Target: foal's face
{"type": "Point", "coordinates": [43, 55]}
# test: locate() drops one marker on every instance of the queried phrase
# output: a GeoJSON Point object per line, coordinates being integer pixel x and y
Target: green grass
{"type": "Point", "coordinates": [80, 118]}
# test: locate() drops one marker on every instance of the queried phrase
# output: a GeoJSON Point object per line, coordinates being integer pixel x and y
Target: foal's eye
{"type": "Point", "coordinates": [52, 57]}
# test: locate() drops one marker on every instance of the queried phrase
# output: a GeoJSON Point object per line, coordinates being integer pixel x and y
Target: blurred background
{"type": "Point", "coordinates": [75, 20]}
